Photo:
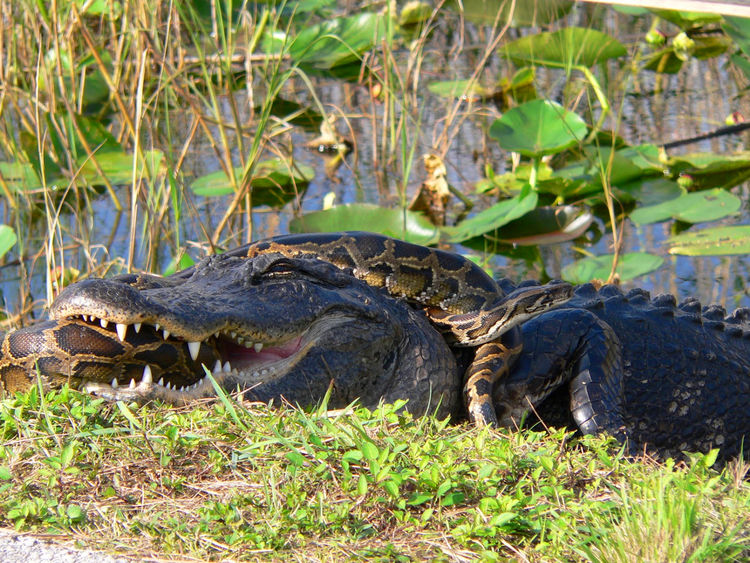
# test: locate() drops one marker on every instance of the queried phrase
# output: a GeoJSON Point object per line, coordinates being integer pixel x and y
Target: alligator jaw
{"type": "Point", "coordinates": [239, 361]}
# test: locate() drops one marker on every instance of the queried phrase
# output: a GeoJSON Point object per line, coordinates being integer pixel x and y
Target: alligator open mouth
{"type": "Point", "coordinates": [176, 369]}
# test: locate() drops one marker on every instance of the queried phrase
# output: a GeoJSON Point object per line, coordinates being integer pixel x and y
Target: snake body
{"type": "Point", "coordinates": [461, 301]}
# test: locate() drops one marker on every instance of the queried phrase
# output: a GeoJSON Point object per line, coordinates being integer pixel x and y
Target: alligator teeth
{"type": "Point", "coordinates": [248, 344]}
{"type": "Point", "coordinates": [240, 340]}
{"type": "Point", "coordinates": [147, 375]}
{"type": "Point", "coordinates": [157, 326]}
{"type": "Point", "coordinates": [234, 334]}
{"type": "Point", "coordinates": [132, 384]}
{"type": "Point", "coordinates": [137, 327]}
{"type": "Point", "coordinates": [114, 383]}
{"type": "Point", "coordinates": [227, 367]}
{"type": "Point", "coordinates": [122, 330]}
{"type": "Point", "coordinates": [217, 367]}
{"type": "Point", "coordinates": [194, 348]}
{"type": "Point", "coordinates": [166, 334]}
{"type": "Point", "coordinates": [168, 385]}
{"type": "Point", "coordinates": [103, 323]}
{"type": "Point", "coordinates": [161, 381]}
{"type": "Point", "coordinates": [258, 346]}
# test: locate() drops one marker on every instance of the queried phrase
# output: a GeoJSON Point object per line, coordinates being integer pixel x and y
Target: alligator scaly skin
{"type": "Point", "coordinates": [668, 378]}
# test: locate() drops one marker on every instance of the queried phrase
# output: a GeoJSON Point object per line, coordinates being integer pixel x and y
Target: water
{"type": "Point", "coordinates": [655, 109]}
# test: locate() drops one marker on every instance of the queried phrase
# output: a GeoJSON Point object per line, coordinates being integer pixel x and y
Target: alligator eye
{"type": "Point", "coordinates": [280, 269]}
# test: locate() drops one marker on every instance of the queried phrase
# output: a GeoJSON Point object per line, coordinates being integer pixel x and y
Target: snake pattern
{"type": "Point", "coordinates": [464, 303]}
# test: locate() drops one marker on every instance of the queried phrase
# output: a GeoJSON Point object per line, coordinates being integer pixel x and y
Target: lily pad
{"type": "Point", "coordinates": [569, 46]}
{"type": "Point", "coordinates": [398, 223]}
{"type": "Point", "coordinates": [117, 167]}
{"type": "Point", "coordinates": [496, 216]}
{"type": "Point", "coordinates": [19, 177]}
{"type": "Point", "coordinates": [332, 43]}
{"type": "Point", "coordinates": [8, 239]}
{"type": "Point", "coordinates": [524, 14]}
{"type": "Point", "coordinates": [537, 128]}
{"type": "Point", "coordinates": [650, 191]}
{"type": "Point", "coordinates": [716, 241]}
{"type": "Point", "coordinates": [275, 182]}
{"type": "Point", "coordinates": [629, 266]}
{"type": "Point", "coordinates": [709, 170]}
{"type": "Point", "coordinates": [687, 20]}
{"type": "Point", "coordinates": [546, 225]}
{"type": "Point", "coordinates": [694, 207]}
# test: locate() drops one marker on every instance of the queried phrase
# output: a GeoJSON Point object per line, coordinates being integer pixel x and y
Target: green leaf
{"type": "Point", "coordinates": [523, 14]}
{"type": "Point", "coordinates": [710, 170]}
{"type": "Point", "coordinates": [275, 182]}
{"type": "Point", "coordinates": [295, 458]}
{"type": "Point", "coordinates": [179, 262]}
{"type": "Point", "coordinates": [369, 450]}
{"type": "Point", "coordinates": [566, 47]}
{"type": "Point", "coordinates": [117, 167]}
{"type": "Point", "coordinates": [739, 30]}
{"type": "Point", "coordinates": [332, 43]}
{"type": "Point", "coordinates": [418, 498]}
{"type": "Point", "coordinates": [457, 88]}
{"type": "Point", "coordinates": [694, 207]}
{"type": "Point", "coordinates": [650, 191]}
{"type": "Point", "coordinates": [19, 176]}
{"type": "Point", "coordinates": [716, 241]}
{"type": "Point", "coordinates": [665, 61]}
{"type": "Point", "coordinates": [391, 488]}
{"type": "Point", "coordinates": [8, 239]}
{"type": "Point", "coordinates": [546, 225]}
{"type": "Point", "coordinates": [629, 266]}
{"type": "Point", "coordinates": [398, 223]}
{"type": "Point", "coordinates": [496, 216]}
{"type": "Point", "coordinates": [687, 20]}
{"type": "Point", "coordinates": [537, 128]}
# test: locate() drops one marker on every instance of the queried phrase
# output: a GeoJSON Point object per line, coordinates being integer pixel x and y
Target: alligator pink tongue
{"type": "Point", "coordinates": [239, 355]}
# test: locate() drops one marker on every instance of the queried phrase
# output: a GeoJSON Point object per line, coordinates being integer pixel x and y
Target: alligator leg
{"type": "Point", "coordinates": [572, 347]}
{"type": "Point", "coordinates": [492, 361]}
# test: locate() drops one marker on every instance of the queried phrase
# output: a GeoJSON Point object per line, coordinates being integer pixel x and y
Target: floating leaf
{"type": "Point", "coordinates": [398, 223]}
{"type": "Point", "coordinates": [19, 177]}
{"type": "Point", "coordinates": [332, 43]}
{"type": "Point", "coordinates": [546, 225]}
{"type": "Point", "coordinates": [687, 20]}
{"type": "Point", "coordinates": [712, 242]}
{"type": "Point", "coordinates": [569, 46]}
{"type": "Point", "coordinates": [496, 216]}
{"type": "Point", "coordinates": [523, 14]}
{"type": "Point", "coordinates": [694, 207]}
{"type": "Point", "coordinates": [650, 191]}
{"type": "Point", "coordinates": [710, 170]}
{"type": "Point", "coordinates": [275, 182]}
{"type": "Point", "coordinates": [458, 88]}
{"type": "Point", "coordinates": [8, 239]}
{"type": "Point", "coordinates": [537, 128]}
{"type": "Point", "coordinates": [117, 167]}
{"type": "Point", "coordinates": [629, 266]}
{"type": "Point", "coordinates": [294, 113]}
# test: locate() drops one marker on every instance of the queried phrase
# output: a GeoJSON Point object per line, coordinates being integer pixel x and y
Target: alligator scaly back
{"type": "Point", "coordinates": [666, 377]}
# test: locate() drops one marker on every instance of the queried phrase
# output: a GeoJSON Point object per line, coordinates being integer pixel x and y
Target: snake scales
{"type": "Point", "coordinates": [457, 296]}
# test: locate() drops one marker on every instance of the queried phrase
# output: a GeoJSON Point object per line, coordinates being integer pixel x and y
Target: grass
{"type": "Point", "coordinates": [228, 481]}
{"type": "Point", "coordinates": [231, 481]}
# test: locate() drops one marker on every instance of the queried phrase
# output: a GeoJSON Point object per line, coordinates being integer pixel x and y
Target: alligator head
{"type": "Point", "coordinates": [272, 326]}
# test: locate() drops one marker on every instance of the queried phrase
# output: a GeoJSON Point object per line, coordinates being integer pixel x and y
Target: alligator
{"type": "Point", "coordinates": [362, 316]}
